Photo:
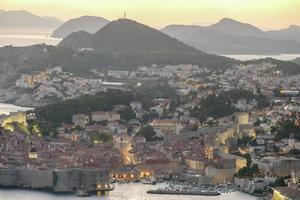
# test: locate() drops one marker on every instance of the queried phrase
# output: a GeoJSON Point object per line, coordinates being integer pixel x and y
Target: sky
{"type": "Point", "coordinates": [266, 14]}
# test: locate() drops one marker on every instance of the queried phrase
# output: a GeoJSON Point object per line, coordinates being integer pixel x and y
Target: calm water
{"type": "Point", "coordinates": [26, 37]}
{"type": "Point", "coordinates": [7, 108]}
{"type": "Point", "coordinates": [251, 57]}
{"type": "Point", "coordinates": [122, 192]}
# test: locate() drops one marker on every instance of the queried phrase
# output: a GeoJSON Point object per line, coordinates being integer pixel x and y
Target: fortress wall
{"type": "Point", "coordinates": [34, 178]}
{"type": "Point", "coordinates": [8, 177]}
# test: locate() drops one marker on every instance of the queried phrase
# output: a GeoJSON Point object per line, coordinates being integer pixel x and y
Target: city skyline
{"type": "Point", "coordinates": [159, 14]}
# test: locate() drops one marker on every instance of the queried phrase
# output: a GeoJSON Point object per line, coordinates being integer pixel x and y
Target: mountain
{"type": "Point", "coordinates": [235, 28]}
{"type": "Point", "coordinates": [183, 32]}
{"type": "Point", "coordinates": [88, 24]}
{"type": "Point", "coordinates": [297, 61]}
{"type": "Point", "coordinates": [129, 43]}
{"type": "Point", "coordinates": [25, 19]}
{"type": "Point", "coordinates": [122, 45]}
{"type": "Point", "coordinates": [290, 33]}
{"type": "Point", "coordinates": [234, 40]}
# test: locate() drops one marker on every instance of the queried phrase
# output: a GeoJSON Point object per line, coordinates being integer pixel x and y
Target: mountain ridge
{"type": "Point", "coordinates": [25, 19]}
{"type": "Point", "coordinates": [90, 24]}
{"type": "Point", "coordinates": [222, 41]}
{"type": "Point", "coordinates": [232, 27]}
{"type": "Point", "coordinates": [124, 39]}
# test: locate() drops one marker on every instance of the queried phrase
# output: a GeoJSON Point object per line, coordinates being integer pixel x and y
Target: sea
{"type": "Point", "coordinates": [244, 57]}
{"type": "Point", "coordinates": [131, 191]}
{"type": "Point", "coordinates": [20, 37]}
{"type": "Point", "coordinates": [5, 109]}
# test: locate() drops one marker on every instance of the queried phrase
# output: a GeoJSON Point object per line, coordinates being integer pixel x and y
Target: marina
{"type": "Point", "coordinates": [183, 193]}
{"type": "Point", "coordinates": [184, 188]}
{"type": "Point", "coordinates": [130, 191]}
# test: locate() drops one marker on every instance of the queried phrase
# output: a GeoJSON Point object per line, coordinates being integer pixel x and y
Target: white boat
{"type": "Point", "coordinates": [81, 193]}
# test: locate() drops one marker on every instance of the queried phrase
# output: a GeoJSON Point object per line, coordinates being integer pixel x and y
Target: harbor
{"type": "Point", "coordinates": [185, 188]}
{"type": "Point", "coordinates": [130, 191]}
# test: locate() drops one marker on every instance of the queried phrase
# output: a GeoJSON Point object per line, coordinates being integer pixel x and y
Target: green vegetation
{"type": "Point", "coordinates": [61, 112]}
{"type": "Point", "coordinates": [41, 128]}
{"type": "Point", "coordinates": [297, 61]}
{"type": "Point", "coordinates": [153, 90]}
{"type": "Point", "coordinates": [245, 141]}
{"type": "Point", "coordinates": [279, 182]}
{"type": "Point", "coordinates": [127, 43]}
{"type": "Point", "coordinates": [249, 171]}
{"type": "Point", "coordinates": [220, 105]}
{"type": "Point", "coordinates": [148, 133]}
{"type": "Point", "coordinates": [289, 68]}
{"type": "Point", "coordinates": [286, 129]}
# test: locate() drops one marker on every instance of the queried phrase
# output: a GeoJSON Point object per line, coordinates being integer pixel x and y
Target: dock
{"type": "Point", "coordinates": [183, 193]}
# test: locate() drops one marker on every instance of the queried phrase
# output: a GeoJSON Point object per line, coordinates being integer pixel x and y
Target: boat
{"type": "Point", "coordinates": [198, 193]}
{"type": "Point", "coordinates": [81, 193]}
{"type": "Point", "coordinates": [148, 181]}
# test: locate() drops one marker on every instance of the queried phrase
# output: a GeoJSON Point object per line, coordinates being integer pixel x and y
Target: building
{"type": "Point", "coordinates": [209, 152]}
{"type": "Point", "coordinates": [242, 127]}
{"type": "Point", "coordinates": [279, 166]}
{"type": "Point", "coordinates": [196, 164]}
{"type": "Point", "coordinates": [164, 127]}
{"type": "Point", "coordinates": [99, 116]}
{"type": "Point", "coordinates": [136, 106]}
{"type": "Point", "coordinates": [80, 120]}
{"type": "Point", "coordinates": [286, 193]}
{"type": "Point", "coordinates": [32, 154]}
{"type": "Point", "coordinates": [105, 116]}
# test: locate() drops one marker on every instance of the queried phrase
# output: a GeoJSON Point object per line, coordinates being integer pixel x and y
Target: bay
{"type": "Point", "coordinates": [285, 57]}
{"type": "Point", "coordinates": [26, 37]}
{"type": "Point", "coordinates": [5, 108]}
{"type": "Point", "coordinates": [132, 191]}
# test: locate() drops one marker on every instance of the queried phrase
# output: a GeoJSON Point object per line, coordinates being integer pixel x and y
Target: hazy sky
{"type": "Point", "coordinates": [158, 13]}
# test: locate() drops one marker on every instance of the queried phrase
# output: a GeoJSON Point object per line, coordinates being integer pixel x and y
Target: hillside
{"type": "Point", "coordinates": [88, 24]}
{"type": "Point", "coordinates": [297, 61]}
{"type": "Point", "coordinates": [130, 43]}
{"type": "Point", "coordinates": [290, 33]}
{"type": "Point", "coordinates": [62, 111]}
{"type": "Point", "coordinates": [182, 32]}
{"type": "Point", "coordinates": [231, 37]}
{"type": "Point", "coordinates": [287, 67]}
{"type": "Point", "coordinates": [25, 19]}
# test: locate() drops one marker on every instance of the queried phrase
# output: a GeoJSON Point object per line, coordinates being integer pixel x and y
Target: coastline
{"type": "Point", "coordinates": [133, 191]}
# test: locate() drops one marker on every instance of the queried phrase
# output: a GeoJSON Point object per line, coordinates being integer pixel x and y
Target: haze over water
{"type": "Point", "coordinates": [26, 37]}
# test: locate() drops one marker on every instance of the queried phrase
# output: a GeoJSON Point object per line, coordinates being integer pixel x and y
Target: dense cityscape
{"type": "Point", "coordinates": [246, 134]}
{"type": "Point", "coordinates": [116, 109]}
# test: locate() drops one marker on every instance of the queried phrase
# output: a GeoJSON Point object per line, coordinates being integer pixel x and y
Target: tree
{"type": "Point", "coordinates": [251, 171]}
{"type": "Point", "coordinates": [148, 133]}
{"type": "Point", "coordinates": [278, 182]}
{"type": "Point", "coordinates": [286, 129]}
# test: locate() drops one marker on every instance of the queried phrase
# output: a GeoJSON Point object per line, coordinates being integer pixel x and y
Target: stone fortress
{"type": "Point", "coordinates": [69, 180]}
